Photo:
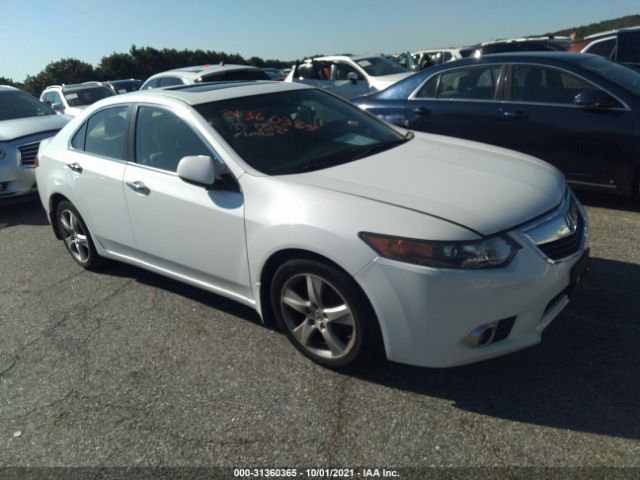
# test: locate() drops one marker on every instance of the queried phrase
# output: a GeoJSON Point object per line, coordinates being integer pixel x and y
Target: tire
{"type": "Point", "coordinates": [325, 314]}
{"type": "Point", "coordinates": [76, 237]}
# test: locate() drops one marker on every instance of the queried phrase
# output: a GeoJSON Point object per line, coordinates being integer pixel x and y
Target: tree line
{"type": "Point", "coordinates": [139, 63]}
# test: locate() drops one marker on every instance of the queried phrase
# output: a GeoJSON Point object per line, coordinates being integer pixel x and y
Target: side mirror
{"type": "Point", "coordinates": [352, 77]}
{"type": "Point", "coordinates": [57, 107]}
{"type": "Point", "coordinates": [593, 99]}
{"type": "Point", "coordinates": [199, 169]}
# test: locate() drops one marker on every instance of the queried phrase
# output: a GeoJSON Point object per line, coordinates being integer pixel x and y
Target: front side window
{"type": "Point", "coordinates": [341, 71]}
{"type": "Point", "coordinates": [477, 83]}
{"type": "Point", "coordinates": [297, 131]}
{"type": "Point", "coordinates": [624, 77]}
{"type": "Point", "coordinates": [545, 85]}
{"type": "Point", "coordinates": [80, 97]}
{"type": "Point", "coordinates": [107, 132]}
{"type": "Point", "coordinates": [163, 139]}
{"type": "Point", "coordinates": [16, 104]}
{"type": "Point", "coordinates": [380, 66]}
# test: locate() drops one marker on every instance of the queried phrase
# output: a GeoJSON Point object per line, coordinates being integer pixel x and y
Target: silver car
{"type": "Point", "coordinates": [24, 122]}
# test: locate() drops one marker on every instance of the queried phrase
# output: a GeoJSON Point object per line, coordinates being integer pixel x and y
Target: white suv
{"type": "Point", "coordinates": [348, 75]}
{"type": "Point", "coordinates": [204, 73]}
{"type": "Point", "coordinates": [73, 98]}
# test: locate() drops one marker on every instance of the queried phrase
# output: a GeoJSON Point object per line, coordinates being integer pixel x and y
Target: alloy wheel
{"type": "Point", "coordinates": [75, 238]}
{"type": "Point", "coordinates": [318, 316]}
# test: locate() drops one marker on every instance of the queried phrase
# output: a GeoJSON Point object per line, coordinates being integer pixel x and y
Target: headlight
{"type": "Point", "coordinates": [492, 252]}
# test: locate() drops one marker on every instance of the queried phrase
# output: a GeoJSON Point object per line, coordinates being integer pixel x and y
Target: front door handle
{"type": "Point", "coordinates": [138, 187]}
{"type": "Point", "coordinates": [421, 111]}
{"type": "Point", "coordinates": [517, 115]}
{"type": "Point", "coordinates": [75, 166]}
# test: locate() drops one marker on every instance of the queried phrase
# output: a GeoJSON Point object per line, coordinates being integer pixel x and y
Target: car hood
{"type": "Point", "coordinates": [21, 127]}
{"type": "Point", "coordinates": [486, 189]}
{"type": "Point", "coordinates": [385, 81]}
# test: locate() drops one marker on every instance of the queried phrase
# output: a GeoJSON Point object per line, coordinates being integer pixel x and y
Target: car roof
{"type": "Point", "coordinates": [353, 58]}
{"type": "Point", "coordinates": [202, 70]}
{"type": "Point", "coordinates": [7, 88]}
{"type": "Point", "coordinates": [211, 92]}
{"type": "Point", "coordinates": [611, 32]}
{"type": "Point", "coordinates": [74, 86]}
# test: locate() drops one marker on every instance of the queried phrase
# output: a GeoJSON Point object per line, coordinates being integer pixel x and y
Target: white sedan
{"type": "Point", "coordinates": [356, 237]}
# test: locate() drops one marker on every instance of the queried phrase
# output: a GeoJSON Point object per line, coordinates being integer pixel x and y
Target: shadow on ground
{"type": "Point", "coordinates": [25, 210]}
{"type": "Point", "coordinates": [584, 376]}
{"type": "Point", "coordinates": [608, 201]}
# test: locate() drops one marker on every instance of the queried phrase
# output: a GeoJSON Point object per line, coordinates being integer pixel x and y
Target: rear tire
{"type": "Point", "coordinates": [325, 314]}
{"type": "Point", "coordinates": [76, 237]}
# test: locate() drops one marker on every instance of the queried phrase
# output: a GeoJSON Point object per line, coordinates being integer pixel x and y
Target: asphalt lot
{"type": "Point", "coordinates": [124, 367]}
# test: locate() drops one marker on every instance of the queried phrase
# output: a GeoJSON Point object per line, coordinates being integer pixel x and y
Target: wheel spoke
{"type": "Point", "coordinates": [73, 221]}
{"type": "Point", "coordinates": [64, 220]}
{"type": "Point", "coordinates": [295, 301]}
{"type": "Point", "coordinates": [314, 290]}
{"type": "Point", "coordinates": [303, 332]}
{"type": "Point", "coordinates": [82, 240]}
{"type": "Point", "coordinates": [333, 342]}
{"type": "Point", "coordinates": [68, 241]}
{"type": "Point", "coordinates": [338, 315]}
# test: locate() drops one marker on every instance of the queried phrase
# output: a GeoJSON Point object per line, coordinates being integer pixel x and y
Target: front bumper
{"type": "Point", "coordinates": [427, 315]}
{"type": "Point", "coordinates": [16, 180]}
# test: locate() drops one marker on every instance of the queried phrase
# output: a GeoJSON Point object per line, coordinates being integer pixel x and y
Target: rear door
{"type": "Point", "coordinates": [461, 102]}
{"type": "Point", "coordinates": [96, 161]}
{"type": "Point", "coordinates": [540, 119]}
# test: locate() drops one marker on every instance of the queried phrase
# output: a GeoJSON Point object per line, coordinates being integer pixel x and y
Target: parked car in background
{"type": "Point", "coordinates": [406, 60]}
{"type": "Point", "coordinates": [204, 73]}
{"type": "Point", "coordinates": [621, 45]}
{"type": "Point", "coordinates": [356, 236]}
{"type": "Point", "coordinates": [24, 123]}
{"type": "Point", "coordinates": [427, 58]}
{"type": "Point", "coordinates": [73, 98]}
{"type": "Point", "coordinates": [579, 112]}
{"type": "Point", "coordinates": [124, 86]}
{"type": "Point", "coordinates": [526, 44]}
{"type": "Point", "coordinates": [348, 75]}
{"type": "Point", "coordinates": [274, 74]}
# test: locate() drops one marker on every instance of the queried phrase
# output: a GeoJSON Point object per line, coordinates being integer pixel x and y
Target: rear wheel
{"type": "Point", "coordinates": [324, 314]}
{"type": "Point", "coordinates": [76, 237]}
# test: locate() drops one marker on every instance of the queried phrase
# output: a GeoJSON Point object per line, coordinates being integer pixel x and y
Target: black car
{"type": "Point", "coordinates": [579, 112]}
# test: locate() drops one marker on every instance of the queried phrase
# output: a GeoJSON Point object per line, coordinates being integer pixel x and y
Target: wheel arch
{"type": "Point", "coordinates": [54, 201]}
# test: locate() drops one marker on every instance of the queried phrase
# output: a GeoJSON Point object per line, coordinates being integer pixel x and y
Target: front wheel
{"type": "Point", "coordinates": [76, 237]}
{"type": "Point", "coordinates": [324, 314]}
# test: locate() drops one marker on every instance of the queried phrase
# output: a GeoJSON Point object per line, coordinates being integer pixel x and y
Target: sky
{"type": "Point", "coordinates": [37, 32]}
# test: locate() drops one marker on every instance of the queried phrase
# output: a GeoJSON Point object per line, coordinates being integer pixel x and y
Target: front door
{"type": "Point", "coordinates": [183, 228]}
{"type": "Point", "coordinates": [588, 145]}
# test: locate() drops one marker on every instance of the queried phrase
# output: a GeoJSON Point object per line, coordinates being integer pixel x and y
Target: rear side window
{"type": "Point", "coordinates": [603, 48]}
{"type": "Point", "coordinates": [169, 81]}
{"type": "Point", "coordinates": [77, 141]}
{"type": "Point", "coordinates": [477, 83]}
{"type": "Point", "coordinates": [106, 132]}
{"type": "Point", "coordinates": [163, 139]}
{"type": "Point", "coordinates": [151, 84]}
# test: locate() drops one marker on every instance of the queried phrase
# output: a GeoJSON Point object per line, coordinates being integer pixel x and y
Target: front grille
{"type": "Point", "coordinates": [566, 246]}
{"type": "Point", "coordinates": [28, 153]}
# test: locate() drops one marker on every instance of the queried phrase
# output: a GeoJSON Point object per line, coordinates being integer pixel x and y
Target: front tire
{"type": "Point", "coordinates": [76, 237]}
{"type": "Point", "coordinates": [325, 314]}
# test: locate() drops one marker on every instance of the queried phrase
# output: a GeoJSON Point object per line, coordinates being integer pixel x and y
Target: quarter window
{"type": "Point", "coordinates": [107, 132]}
{"type": "Point", "coordinates": [478, 83]}
{"type": "Point", "coordinates": [428, 90]}
{"type": "Point", "coordinates": [77, 141]}
{"type": "Point", "coordinates": [163, 139]}
{"type": "Point", "coordinates": [546, 85]}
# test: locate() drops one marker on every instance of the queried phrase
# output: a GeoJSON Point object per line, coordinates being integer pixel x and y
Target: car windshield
{"type": "Point", "coordinates": [624, 77]}
{"type": "Point", "coordinates": [80, 97]}
{"type": "Point", "coordinates": [122, 86]}
{"type": "Point", "coordinates": [379, 66]}
{"type": "Point", "coordinates": [16, 104]}
{"type": "Point", "coordinates": [297, 130]}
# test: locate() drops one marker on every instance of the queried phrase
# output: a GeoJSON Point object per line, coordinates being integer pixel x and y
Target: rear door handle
{"type": "Point", "coordinates": [421, 111]}
{"type": "Point", "coordinates": [517, 115]}
{"type": "Point", "coordinates": [75, 166]}
{"type": "Point", "coordinates": [138, 187]}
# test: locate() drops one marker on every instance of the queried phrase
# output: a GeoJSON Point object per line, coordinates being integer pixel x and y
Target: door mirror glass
{"type": "Point", "coordinates": [352, 77]}
{"type": "Point", "coordinates": [198, 169]}
{"type": "Point", "coordinates": [58, 107]}
{"type": "Point", "coordinates": [594, 99]}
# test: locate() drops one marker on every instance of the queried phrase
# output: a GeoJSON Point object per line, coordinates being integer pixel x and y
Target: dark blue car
{"type": "Point", "coordinates": [578, 112]}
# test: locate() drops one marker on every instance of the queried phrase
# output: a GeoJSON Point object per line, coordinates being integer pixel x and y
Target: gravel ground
{"type": "Point", "coordinates": [126, 368]}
